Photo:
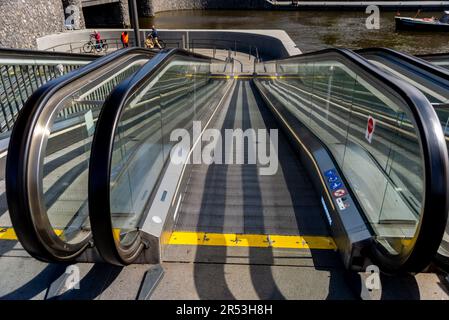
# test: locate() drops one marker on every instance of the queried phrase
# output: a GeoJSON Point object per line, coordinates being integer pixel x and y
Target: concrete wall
{"type": "Point", "coordinates": [77, 19]}
{"type": "Point", "coordinates": [150, 7]}
{"type": "Point", "coordinates": [23, 21]}
{"type": "Point", "coordinates": [113, 14]}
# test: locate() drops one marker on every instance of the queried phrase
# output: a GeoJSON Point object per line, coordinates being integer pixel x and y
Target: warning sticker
{"type": "Point", "coordinates": [330, 173]}
{"type": "Point", "coordinates": [341, 205]}
{"type": "Point", "coordinates": [336, 185]}
{"type": "Point", "coordinates": [370, 127]}
{"type": "Point", "coordinates": [339, 193]}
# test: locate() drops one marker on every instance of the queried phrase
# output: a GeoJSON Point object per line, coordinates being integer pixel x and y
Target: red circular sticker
{"type": "Point", "coordinates": [339, 193]}
{"type": "Point", "coordinates": [370, 125]}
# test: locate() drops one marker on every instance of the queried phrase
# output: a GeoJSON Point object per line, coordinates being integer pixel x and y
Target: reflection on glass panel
{"type": "Point", "coordinates": [172, 99]}
{"type": "Point", "coordinates": [333, 89]}
{"type": "Point", "coordinates": [138, 159]}
{"type": "Point", "coordinates": [66, 162]}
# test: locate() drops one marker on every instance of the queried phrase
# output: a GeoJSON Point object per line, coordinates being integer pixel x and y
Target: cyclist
{"type": "Point", "coordinates": [154, 36]}
{"type": "Point", "coordinates": [96, 35]}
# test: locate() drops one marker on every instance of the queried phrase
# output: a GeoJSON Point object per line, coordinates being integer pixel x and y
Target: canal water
{"type": "Point", "coordinates": [312, 30]}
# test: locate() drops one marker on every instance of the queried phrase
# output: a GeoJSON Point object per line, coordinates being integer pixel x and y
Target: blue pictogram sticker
{"type": "Point", "coordinates": [336, 185]}
{"type": "Point", "coordinates": [330, 173]}
{"type": "Point", "coordinates": [333, 179]}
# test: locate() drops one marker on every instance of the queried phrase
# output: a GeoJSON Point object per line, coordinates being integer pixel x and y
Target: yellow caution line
{"type": "Point", "coordinates": [10, 234]}
{"type": "Point", "coordinates": [241, 77]}
{"type": "Point", "coordinates": [7, 234]}
{"type": "Point", "coordinates": [227, 240]}
{"type": "Point", "coordinates": [251, 240]}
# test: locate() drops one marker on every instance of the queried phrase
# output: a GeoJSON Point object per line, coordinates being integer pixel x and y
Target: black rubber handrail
{"type": "Point", "coordinates": [433, 55]}
{"type": "Point", "coordinates": [433, 217]}
{"type": "Point", "coordinates": [441, 74]}
{"type": "Point", "coordinates": [33, 228]}
{"type": "Point", "coordinates": [100, 166]}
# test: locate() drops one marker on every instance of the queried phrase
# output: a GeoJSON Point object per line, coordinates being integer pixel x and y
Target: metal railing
{"type": "Point", "coordinates": [95, 98]}
{"type": "Point", "coordinates": [113, 45]}
{"type": "Point", "coordinates": [24, 71]}
{"type": "Point", "coordinates": [77, 46]}
{"type": "Point", "coordinates": [233, 46]}
{"type": "Point", "coordinates": [214, 44]}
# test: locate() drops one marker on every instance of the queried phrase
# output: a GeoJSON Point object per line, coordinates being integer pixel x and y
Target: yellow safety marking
{"type": "Point", "coordinates": [251, 240]}
{"type": "Point", "coordinates": [58, 232]}
{"type": "Point", "coordinates": [7, 234]}
{"type": "Point", "coordinates": [116, 234]}
{"type": "Point", "coordinates": [303, 242]}
{"type": "Point", "coordinates": [226, 240]}
{"type": "Point", "coordinates": [406, 242]}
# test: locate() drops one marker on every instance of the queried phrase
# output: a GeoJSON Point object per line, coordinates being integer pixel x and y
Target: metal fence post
{"type": "Point", "coordinates": [135, 21]}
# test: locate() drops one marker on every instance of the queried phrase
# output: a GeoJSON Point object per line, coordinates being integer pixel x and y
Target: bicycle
{"type": "Point", "coordinates": [152, 44]}
{"type": "Point", "coordinates": [92, 45]}
{"type": "Point", "coordinates": [162, 43]}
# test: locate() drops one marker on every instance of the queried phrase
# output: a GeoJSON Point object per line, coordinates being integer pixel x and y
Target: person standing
{"type": "Point", "coordinates": [125, 39]}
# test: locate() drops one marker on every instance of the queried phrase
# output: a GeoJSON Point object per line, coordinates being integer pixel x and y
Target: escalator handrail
{"type": "Point", "coordinates": [47, 55]}
{"type": "Point", "coordinates": [431, 226]}
{"type": "Point", "coordinates": [101, 159]}
{"type": "Point", "coordinates": [413, 60]}
{"type": "Point", "coordinates": [433, 55]}
{"type": "Point", "coordinates": [34, 236]}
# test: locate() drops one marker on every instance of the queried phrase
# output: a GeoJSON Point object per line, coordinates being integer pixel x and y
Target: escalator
{"type": "Point", "coordinates": [48, 156]}
{"type": "Point", "coordinates": [314, 152]}
{"type": "Point", "coordinates": [433, 82]}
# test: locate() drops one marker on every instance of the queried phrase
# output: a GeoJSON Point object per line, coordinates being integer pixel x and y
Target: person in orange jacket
{"type": "Point", "coordinates": [125, 39]}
